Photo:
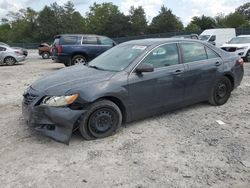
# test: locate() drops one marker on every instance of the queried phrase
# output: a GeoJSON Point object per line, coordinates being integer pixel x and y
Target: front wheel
{"type": "Point", "coordinates": [10, 61]}
{"type": "Point", "coordinates": [101, 120]}
{"type": "Point", "coordinates": [220, 92]}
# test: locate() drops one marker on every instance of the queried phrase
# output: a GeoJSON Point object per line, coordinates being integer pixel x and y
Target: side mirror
{"type": "Point", "coordinates": [144, 68]}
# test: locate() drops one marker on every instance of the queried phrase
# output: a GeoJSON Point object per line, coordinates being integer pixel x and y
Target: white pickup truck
{"type": "Point", "coordinates": [239, 45]}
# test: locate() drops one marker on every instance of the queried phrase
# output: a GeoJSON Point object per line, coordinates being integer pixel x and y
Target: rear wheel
{"type": "Point", "coordinates": [45, 55]}
{"type": "Point", "coordinates": [78, 59]}
{"type": "Point", "coordinates": [220, 92]}
{"type": "Point", "coordinates": [10, 61]}
{"type": "Point", "coordinates": [101, 120]}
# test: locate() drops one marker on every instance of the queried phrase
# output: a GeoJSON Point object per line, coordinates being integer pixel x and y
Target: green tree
{"type": "Point", "coordinates": [191, 27]}
{"type": "Point", "coordinates": [244, 10]}
{"type": "Point", "coordinates": [46, 24]}
{"type": "Point", "coordinates": [23, 25]}
{"type": "Point", "coordinates": [137, 18]}
{"type": "Point", "coordinates": [165, 21]}
{"type": "Point", "coordinates": [234, 20]}
{"type": "Point", "coordinates": [204, 22]}
{"type": "Point", "coordinates": [72, 20]}
{"type": "Point", "coordinates": [106, 19]}
{"type": "Point", "coordinates": [4, 32]}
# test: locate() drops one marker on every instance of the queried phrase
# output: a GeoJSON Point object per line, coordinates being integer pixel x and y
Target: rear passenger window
{"type": "Point", "coordinates": [193, 52]}
{"type": "Point", "coordinates": [91, 40]}
{"type": "Point", "coordinates": [70, 40]}
{"type": "Point", "coordinates": [163, 56]}
{"type": "Point", "coordinates": [211, 54]}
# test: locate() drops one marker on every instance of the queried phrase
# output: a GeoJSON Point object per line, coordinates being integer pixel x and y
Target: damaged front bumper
{"type": "Point", "coordinates": [54, 122]}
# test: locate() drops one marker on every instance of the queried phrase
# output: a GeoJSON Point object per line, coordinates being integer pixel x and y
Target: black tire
{"type": "Point", "coordinates": [247, 58]}
{"type": "Point", "coordinates": [45, 55]}
{"type": "Point", "coordinates": [101, 120]}
{"type": "Point", "coordinates": [220, 92]}
{"type": "Point", "coordinates": [67, 64]}
{"type": "Point", "coordinates": [79, 59]}
{"type": "Point", "coordinates": [10, 61]}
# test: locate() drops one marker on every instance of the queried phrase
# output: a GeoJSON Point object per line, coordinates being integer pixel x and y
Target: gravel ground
{"type": "Point", "coordinates": [184, 148]}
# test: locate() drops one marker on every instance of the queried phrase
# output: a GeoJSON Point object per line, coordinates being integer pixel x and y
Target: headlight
{"type": "Point", "coordinates": [242, 48]}
{"type": "Point", "coordinates": [58, 101]}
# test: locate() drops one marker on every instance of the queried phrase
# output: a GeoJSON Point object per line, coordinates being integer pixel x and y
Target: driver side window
{"type": "Point", "coordinates": [163, 56]}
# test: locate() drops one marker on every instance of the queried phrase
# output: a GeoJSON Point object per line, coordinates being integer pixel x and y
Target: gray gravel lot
{"type": "Point", "coordinates": [184, 148]}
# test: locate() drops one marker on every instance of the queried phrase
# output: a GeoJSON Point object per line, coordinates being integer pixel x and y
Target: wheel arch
{"type": "Point", "coordinates": [231, 78]}
{"type": "Point", "coordinates": [8, 57]}
{"type": "Point", "coordinates": [119, 103]}
{"type": "Point", "coordinates": [80, 53]}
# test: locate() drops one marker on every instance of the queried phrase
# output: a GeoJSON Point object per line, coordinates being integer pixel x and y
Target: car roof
{"type": "Point", "coordinates": [85, 35]}
{"type": "Point", "coordinates": [158, 41]}
{"type": "Point", "coordinates": [243, 36]}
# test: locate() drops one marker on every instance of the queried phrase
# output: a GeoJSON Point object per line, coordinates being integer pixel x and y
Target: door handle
{"type": "Point", "coordinates": [178, 72]}
{"type": "Point", "coordinates": [218, 64]}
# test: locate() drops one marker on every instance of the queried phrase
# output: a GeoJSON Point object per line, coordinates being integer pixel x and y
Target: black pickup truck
{"type": "Point", "coordinates": [72, 49]}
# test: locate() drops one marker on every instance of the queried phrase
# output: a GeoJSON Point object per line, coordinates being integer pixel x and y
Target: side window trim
{"type": "Point", "coordinates": [212, 51]}
{"type": "Point", "coordinates": [142, 59]}
{"type": "Point", "coordinates": [182, 52]}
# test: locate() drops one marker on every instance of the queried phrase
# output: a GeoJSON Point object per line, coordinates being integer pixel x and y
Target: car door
{"type": "Point", "coordinates": [153, 92]}
{"type": "Point", "coordinates": [202, 66]}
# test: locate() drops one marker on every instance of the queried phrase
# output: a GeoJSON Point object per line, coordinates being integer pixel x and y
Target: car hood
{"type": "Point", "coordinates": [66, 79]}
{"type": "Point", "coordinates": [236, 45]}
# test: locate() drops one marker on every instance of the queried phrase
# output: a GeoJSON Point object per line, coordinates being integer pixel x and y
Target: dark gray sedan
{"type": "Point", "coordinates": [131, 81]}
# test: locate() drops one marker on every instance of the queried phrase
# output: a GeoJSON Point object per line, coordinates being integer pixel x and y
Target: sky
{"type": "Point", "coordinates": [184, 9]}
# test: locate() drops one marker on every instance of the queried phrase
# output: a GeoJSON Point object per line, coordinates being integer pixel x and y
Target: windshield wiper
{"type": "Point", "coordinates": [95, 67]}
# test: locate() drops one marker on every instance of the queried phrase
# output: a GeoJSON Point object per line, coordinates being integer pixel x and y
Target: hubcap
{"type": "Point", "coordinates": [79, 61]}
{"type": "Point", "coordinates": [221, 91]}
{"type": "Point", "coordinates": [10, 61]}
{"type": "Point", "coordinates": [101, 121]}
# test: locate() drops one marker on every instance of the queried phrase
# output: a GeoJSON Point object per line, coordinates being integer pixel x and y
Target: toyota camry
{"type": "Point", "coordinates": [131, 81]}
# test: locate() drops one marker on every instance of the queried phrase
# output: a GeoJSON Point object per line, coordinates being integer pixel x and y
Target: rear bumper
{"type": "Point", "coordinates": [62, 59]}
{"type": "Point", "coordinates": [20, 58]}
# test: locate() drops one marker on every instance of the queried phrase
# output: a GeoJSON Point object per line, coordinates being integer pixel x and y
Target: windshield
{"type": "Point", "coordinates": [118, 58]}
{"type": "Point", "coordinates": [239, 40]}
{"type": "Point", "coordinates": [204, 37]}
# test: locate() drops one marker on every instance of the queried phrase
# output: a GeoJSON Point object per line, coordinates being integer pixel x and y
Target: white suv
{"type": "Point", "coordinates": [239, 45]}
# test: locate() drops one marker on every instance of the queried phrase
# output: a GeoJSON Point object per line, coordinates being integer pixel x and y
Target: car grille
{"type": "Point", "coordinates": [229, 49]}
{"type": "Point", "coordinates": [28, 98]}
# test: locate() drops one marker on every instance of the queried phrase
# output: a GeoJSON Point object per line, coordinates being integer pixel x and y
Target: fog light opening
{"type": "Point", "coordinates": [50, 127]}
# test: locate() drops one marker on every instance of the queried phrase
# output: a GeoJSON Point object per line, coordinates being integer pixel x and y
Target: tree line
{"type": "Point", "coordinates": [28, 25]}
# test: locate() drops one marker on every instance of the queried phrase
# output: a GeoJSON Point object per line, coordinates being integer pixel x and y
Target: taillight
{"type": "Point", "coordinates": [240, 62]}
{"type": "Point", "coordinates": [19, 52]}
{"type": "Point", "coordinates": [59, 49]}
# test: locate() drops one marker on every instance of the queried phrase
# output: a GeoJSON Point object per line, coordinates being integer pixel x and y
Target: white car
{"type": "Point", "coordinates": [239, 45]}
{"type": "Point", "coordinates": [10, 56]}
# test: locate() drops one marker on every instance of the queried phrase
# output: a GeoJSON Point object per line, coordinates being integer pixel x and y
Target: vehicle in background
{"type": "Point", "coordinates": [73, 49]}
{"type": "Point", "coordinates": [218, 37]}
{"type": "Point", "coordinates": [24, 51]}
{"type": "Point", "coordinates": [239, 45]}
{"type": "Point", "coordinates": [191, 36]}
{"type": "Point", "coordinates": [131, 81]}
{"type": "Point", "coordinates": [10, 56]}
{"type": "Point", "coordinates": [44, 50]}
